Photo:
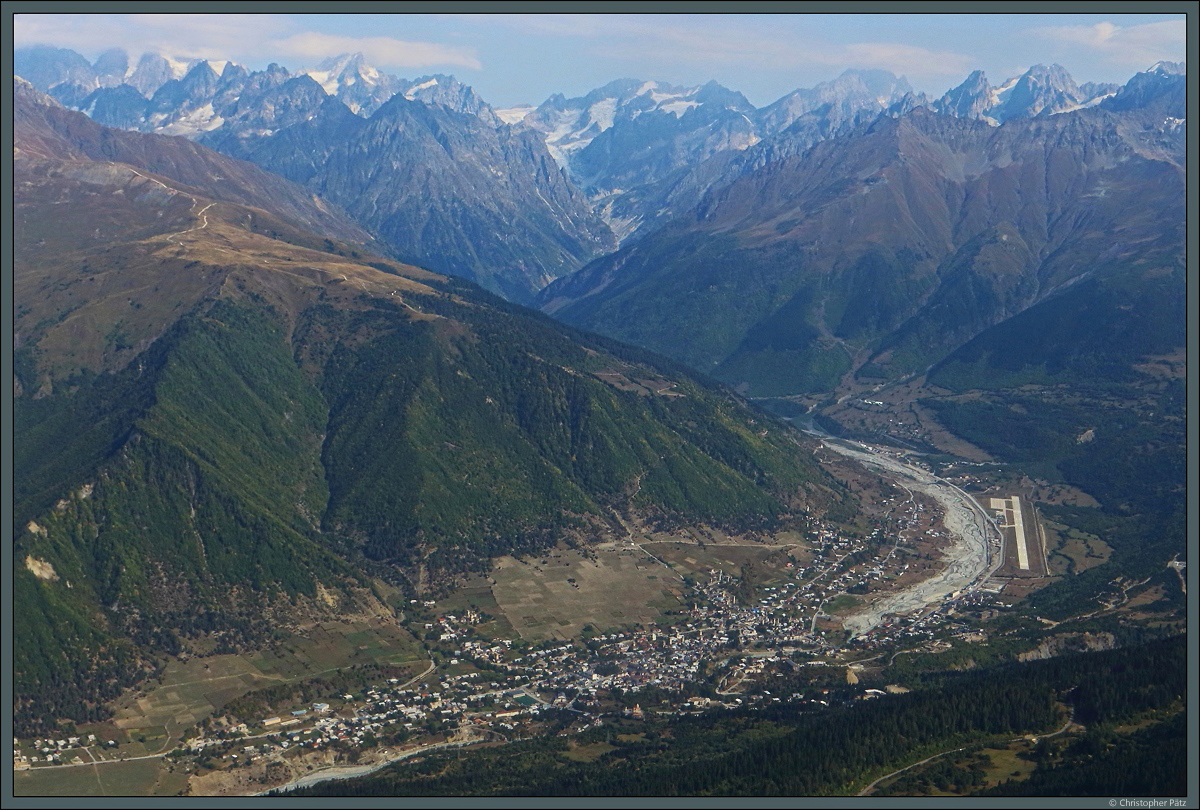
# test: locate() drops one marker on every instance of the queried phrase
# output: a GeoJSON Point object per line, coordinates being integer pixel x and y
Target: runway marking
{"type": "Point", "coordinates": [1015, 520]}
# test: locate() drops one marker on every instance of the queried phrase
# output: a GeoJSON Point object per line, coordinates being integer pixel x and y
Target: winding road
{"type": "Point", "coordinates": [869, 789]}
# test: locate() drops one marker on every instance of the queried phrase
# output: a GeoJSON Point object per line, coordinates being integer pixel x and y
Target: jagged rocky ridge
{"type": "Point", "coordinates": [642, 153]}
{"type": "Point", "coordinates": [885, 249]}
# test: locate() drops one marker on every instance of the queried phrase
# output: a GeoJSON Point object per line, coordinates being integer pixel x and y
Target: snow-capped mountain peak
{"type": "Point", "coordinates": [570, 125]}
{"type": "Point", "coordinates": [1001, 94]}
{"type": "Point", "coordinates": [1169, 68]}
{"type": "Point", "coordinates": [1039, 91]}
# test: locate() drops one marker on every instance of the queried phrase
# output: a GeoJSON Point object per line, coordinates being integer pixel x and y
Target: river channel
{"type": "Point", "coordinates": [968, 559]}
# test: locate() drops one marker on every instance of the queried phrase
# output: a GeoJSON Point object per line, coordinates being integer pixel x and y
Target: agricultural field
{"type": "Point", "coordinates": [1071, 551]}
{"type": "Point", "coordinates": [588, 753]}
{"type": "Point", "coordinates": [476, 594]}
{"type": "Point", "coordinates": [769, 561]}
{"type": "Point", "coordinates": [556, 594]}
{"type": "Point", "coordinates": [191, 690]}
{"type": "Point", "coordinates": [473, 594]}
{"type": "Point", "coordinates": [139, 777]}
{"type": "Point", "coordinates": [334, 645]}
{"type": "Point", "coordinates": [842, 603]}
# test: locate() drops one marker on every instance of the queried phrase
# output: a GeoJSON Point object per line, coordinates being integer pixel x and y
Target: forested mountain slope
{"type": "Point", "coordinates": [222, 416]}
{"type": "Point", "coordinates": [885, 250]}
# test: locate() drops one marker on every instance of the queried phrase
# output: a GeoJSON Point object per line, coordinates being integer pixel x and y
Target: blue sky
{"type": "Point", "coordinates": [524, 58]}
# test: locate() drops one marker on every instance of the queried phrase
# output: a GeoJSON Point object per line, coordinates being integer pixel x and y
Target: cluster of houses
{"type": "Point", "coordinates": [506, 685]}
{"type": "Point", "coordinates": [381, 710]}
{"type": "Point", "coordinates": [55, 751]}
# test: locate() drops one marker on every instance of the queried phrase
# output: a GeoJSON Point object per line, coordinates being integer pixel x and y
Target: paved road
{"type": "Point", "coordinates": [349, 772]}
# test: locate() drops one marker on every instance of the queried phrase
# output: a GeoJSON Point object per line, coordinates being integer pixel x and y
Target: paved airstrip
{"type": "Point", "coordinates": [1013, 518]}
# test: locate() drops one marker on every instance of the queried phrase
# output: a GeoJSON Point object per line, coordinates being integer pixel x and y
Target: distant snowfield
{"type": "Point", "coordinates": [573, 129]}
{"type": "Point", "coordinates": [678, 107]}
{"type": "Point", "coordinates": [322, 77]}
{"type": "Point", "coordinates": [179, 67]}
{"type": "Point", "coordinates": [202, 119]}
{"type": "Point", "coordinates": [515, 115]}
{"type": "Point", "coordinates": [601, 113]}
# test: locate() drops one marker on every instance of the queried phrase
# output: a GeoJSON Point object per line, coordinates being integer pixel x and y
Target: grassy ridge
{"type": "Point", "coordinates": [1095, 330]}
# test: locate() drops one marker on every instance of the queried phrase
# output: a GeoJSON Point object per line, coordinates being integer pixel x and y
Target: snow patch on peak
{"type": "Point", "coordinates": [343, 71]}
{"type": "Point", "coordinates": [601, 113]}
{"type": "Point", "coordinates": [202, 119]}
{"type": "Point", "coordinates": [1000, 94]}
{"type": "Point", "coordinates": [179, 67]}
{"type": "Point", "coordinates": [322, 77]}
{"type": "Point", "coordinates": [411, 93]}
{"type": "Point", "coordinates": [1092, 102]}
{"type": "Point", "coordinates": [1169, 68]}
{"type": "Point", "coordinates": [659, 98]}
{"type": "Point", "coordinates": [678, 107]}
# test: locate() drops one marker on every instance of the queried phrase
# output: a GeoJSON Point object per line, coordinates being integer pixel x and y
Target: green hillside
{"type": "Point", "coordinates": [1088, 389]}
{"type": "Point", "coordinates": [233, 466]}
{"type": "Point", "coordinates": [225, 422]}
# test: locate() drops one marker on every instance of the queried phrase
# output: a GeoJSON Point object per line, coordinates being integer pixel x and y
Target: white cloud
{"type": "Point", "coordinates": [1136, 46]}
{"type": "Point", "coordinates": [908, 60]}
{"type": "Point", "coordinates": [764, 42]}
{"type": "Point", "coordinates": [212, 36]}
{"type": "Point", "coordinates": [244, 38]}
{"type": "Point", "coordinates": [382, 51]}
{"type": "Point", "coordinates": [663, 38]}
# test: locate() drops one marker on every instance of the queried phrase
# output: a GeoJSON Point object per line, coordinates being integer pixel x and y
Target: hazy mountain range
{"type": "Point", "coordinates": [637, 153]}
{"type": "Point", "coordinates": [891, 248]}
{"type": "Point", "coordinates": [253, 369]}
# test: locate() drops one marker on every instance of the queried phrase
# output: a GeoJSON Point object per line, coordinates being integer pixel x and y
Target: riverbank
{"type": "Point", "coordinates": [968, 558]}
